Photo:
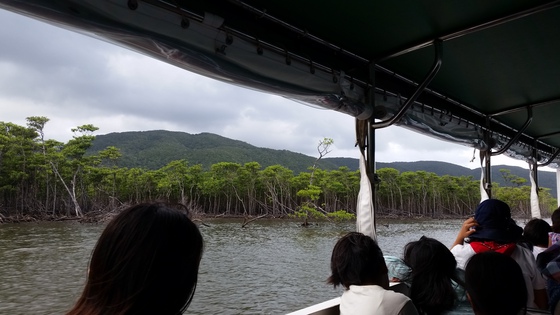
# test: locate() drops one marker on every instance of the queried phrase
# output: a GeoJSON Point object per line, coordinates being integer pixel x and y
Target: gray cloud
{"type": "Point", "coordinates": [75, 80]}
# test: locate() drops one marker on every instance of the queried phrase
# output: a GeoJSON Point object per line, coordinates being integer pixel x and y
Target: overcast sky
{"type": "Point", "coordinates": [74, 80]}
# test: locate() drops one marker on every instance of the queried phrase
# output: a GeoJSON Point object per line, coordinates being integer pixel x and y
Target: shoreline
{"type": "Point", "coordinates": [95, 218]}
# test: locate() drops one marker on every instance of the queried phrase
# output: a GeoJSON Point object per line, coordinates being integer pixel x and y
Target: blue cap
{"type": "Point", "coordinates": [495, 222]}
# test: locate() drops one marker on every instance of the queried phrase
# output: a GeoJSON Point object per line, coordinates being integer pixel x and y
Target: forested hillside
{"type": "Point", "coordinates": [546, 179]}
{"type": "Point", "coordinates": [155, 149]}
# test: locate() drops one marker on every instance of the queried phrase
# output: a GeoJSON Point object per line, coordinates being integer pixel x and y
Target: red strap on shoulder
{"type": "Point", "coordinates": [484, 246]}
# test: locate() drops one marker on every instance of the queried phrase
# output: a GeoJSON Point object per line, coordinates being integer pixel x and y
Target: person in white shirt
{"type": "Point", "coordinates": [357, 265]}
{"type": "Point", "coordinates": [493, 229]}
{"type": "Point", "coordinates": [535, 233]}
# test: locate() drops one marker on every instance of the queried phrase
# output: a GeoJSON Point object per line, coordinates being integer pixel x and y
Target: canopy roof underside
{"type": "Point", "coordinates": [498, 80]}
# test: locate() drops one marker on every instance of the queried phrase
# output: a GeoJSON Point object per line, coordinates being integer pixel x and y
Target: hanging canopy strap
{"type": "Point", "coordinates": [483, 192]}
{"type": "Point", "coordinates": [365, 213]}
{"type": "Point", "coordinates": [535, 208]}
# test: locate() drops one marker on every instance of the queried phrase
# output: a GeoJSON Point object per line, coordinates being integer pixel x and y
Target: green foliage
{"type": "Point", "coordinates": [43, 177]}
{"type": "Point", "coordinates": [311, 192]}
{"type": "Point", "coordinates": [511, 179]}
{"type": "Point", "coordinates": [155, 149]}
{"type": "Point", "coordinates": [307, 209]}
{"type": "Point", "coordinates": [341, 215]}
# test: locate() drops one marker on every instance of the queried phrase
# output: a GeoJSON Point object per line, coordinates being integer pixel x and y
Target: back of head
{"type": "Point", "coordinates": [536, 232]}
{"type": "Point", "coordinates": [145, 262]}
{"type": "Point", "coordinates": [495, 223]}
{"type": "Point", "coordinates": [432, 267]}
{"type": "Point", "coordinates": [357, 260]}
{"type": "Point", "coordinates": [495, 284]}
{"type": "Point", "coordinates": [555, 218]}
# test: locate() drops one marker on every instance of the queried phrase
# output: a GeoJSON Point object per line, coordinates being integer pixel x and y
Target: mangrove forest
{"type": "Point", "coordinates": [45, 179]}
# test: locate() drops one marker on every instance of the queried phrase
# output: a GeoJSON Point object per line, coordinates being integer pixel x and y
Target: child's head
{"type": "Point", "coordinates": [357, 260]}
{"type": "Point", "coordinates": [495, 284]}
{"type": "Point", "coordinates": [433, 267]}
{"type": "Point", "coordinates": [536, 232]}
{"type": "Point", "coordinates": [428, 255]}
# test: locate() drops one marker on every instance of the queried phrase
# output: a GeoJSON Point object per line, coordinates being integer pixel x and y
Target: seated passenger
{"type": "Point", "coordinates": [493, 229]}
{"type": "Point", "coordinates": [535, 235]}
{"type": "Point", "coordinates": [495, 284]}
{"type": "Point", "coordinates": [357, 264]}
{"type": "Point", "coordinates": [548, 263]}
{"type": "Point", "coordinates": [554, 236]}
{"type": "Point", "coordinates": [145, 262]}
{"type": "Point", "coordinates": [433, 277]}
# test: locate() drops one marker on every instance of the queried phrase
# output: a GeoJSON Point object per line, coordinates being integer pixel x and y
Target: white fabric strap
{"type": "Point", "coordinates": [535, 208]}
{"type": "Point", "coordinates": [365, 216]}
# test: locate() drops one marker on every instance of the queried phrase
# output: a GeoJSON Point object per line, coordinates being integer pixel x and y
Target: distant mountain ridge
{"type": "Point", "coordinates": [546, 179]}
{"type": "Point", "coordinates": [155, 149]}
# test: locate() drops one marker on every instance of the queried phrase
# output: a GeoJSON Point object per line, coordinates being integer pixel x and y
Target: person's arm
{"type": "Point", "coordinates": [465, 231]}
{"type": "Point", "coordinates": [541, 299]}
{"type": "Point", "coordinates": [408, 309]}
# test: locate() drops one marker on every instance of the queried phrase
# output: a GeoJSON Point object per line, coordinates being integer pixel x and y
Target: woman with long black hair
{"type": "Point", "coordinates": [145, 262]}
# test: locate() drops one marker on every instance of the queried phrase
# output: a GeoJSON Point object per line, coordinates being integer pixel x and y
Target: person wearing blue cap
{"type": "Point", "coordinates": [493, 229]}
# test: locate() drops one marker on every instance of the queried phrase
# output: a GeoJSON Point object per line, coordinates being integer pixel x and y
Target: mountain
{"type": "Point", "coordinates": [546, 179]}
{"type": "Point", "coordinates": [154, 149]}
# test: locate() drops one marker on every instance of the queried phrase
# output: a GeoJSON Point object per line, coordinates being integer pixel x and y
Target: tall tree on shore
{"type": "Point", "coordinates": [111, 155]}
{"type": "Point", "coordinates": [310, 195]}
{"type": "Point", "coordinates": [277, 188]}
{"type": "Point", "coordinates": [38, 123]}
{"type": "Point", "coordinates": [72, 158]}
{"type": "Point", "coordinates": [16, 152]}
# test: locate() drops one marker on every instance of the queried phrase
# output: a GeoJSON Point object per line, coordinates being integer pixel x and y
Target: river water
{"type": "Point", "coordinates": [269, 267]}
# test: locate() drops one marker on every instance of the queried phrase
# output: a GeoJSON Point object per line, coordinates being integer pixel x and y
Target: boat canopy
{"type": "Point", "coordinates": [480, 73]}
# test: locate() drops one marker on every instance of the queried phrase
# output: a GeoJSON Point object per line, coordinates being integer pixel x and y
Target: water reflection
{"type": "Point", "coordinates": [269, 267]}
{"type": "Point", "coordinates": [42, 265]}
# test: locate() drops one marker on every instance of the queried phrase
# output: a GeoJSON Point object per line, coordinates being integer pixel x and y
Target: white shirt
{"type": "Point", "coordinates": [525, 259]}
{"type": "Point", "coordinates": [537, 250]}
{"type": "Point", "coordinates": [374, 300]}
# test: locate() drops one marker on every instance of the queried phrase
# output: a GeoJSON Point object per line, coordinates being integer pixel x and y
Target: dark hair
{"type": "Point", "coordinates": [555, 218]}
{"type": "Point", "coordinates": [495, 284]}
{"type": "Point", "coordinates": [536, 232]}
{"type": "Point", "coordinates": [357, 260]}
{"type": "Point", "coordinates": [433, 267]}
{"type": "Point", "coordinates": [145, 262]}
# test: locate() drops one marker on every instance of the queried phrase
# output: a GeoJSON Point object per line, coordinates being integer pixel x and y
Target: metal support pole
{"type": "Point", "coordinates": [488, 173]}
{"type": "Point", "coordinates": [518, 134]}
{"type": "Point", "coordinates": [535, 168]}
{"type": "Point", "coordinates": [534, 197]}
{"type": "Point", "coordinates": [535, 171]}
{"type": "Point", "coordinates": [371, 161]}
{"type": "Point", "coordinates": [487, 163]}
{"type": "Point", "coordinates": [558, 186]}
{"type": "Point", "coordinates": [370, 148]}
{"type": "Point", "coordinates": [419, 89]}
